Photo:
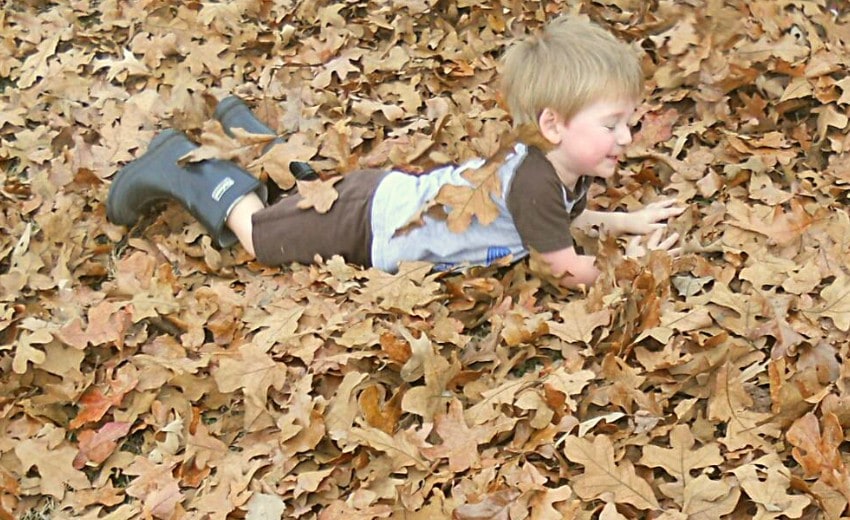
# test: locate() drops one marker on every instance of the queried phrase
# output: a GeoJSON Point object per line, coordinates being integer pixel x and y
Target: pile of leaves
{"type": "Point", "coordinates": [146, 374]}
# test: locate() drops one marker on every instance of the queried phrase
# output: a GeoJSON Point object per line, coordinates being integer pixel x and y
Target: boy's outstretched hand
{"type": "Point", "coordinates": [652, 217]}
{"type": "Point", "coordinates": [640, 245]}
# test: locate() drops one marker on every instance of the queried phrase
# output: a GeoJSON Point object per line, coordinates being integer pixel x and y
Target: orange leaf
{"type": "Point", "coordinates": [97, 446]}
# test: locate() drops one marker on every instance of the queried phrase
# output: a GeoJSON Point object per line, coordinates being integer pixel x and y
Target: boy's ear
{"type": "Point", "coordinates": [548, 124]}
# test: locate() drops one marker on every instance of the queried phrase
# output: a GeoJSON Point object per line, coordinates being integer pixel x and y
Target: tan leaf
{"type": "Point", "coordinates": [836, 304]}
{"type": "Point", "coordinates": [680, 461]}
{"type": "Point", "coordinates": [26, 352]}
{"type": "Point", "coordinates": [53, 457]}
{"type": "Point", "coordinates": [155, 486]}
{"type": "Point", "coordinates": [494, 506]}
{"type": "Point", "coordinates": [403, 448]}
{"type": "Point", "coordinates": [380, 414]}
{"type": "Point", "coordinates": [342, 410]}
{"type": "Point", "coordinates": [577, 325]}
{"type": "Point", "coordinates": [768, 482]}
{"type": "Point", "coordinates": [254, 372]}
{"type": "Point", "coordinates": [264, 506]}
{"type": "Point", "coordinates": [318, 194]}
{"type": "Point", "coordinates": [274, 163]}
{"type": "Point", "coordinates": [467, 202]}
{"type": "Point", "coordinates": [96, 446]}
{"type": "Point", "coordinates": [602, 475]}
{"type": "Point", "coordinates": [460, 443]}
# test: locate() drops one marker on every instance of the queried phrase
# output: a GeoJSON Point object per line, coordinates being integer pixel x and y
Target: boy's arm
{"type": "Point", "coordinates": [571, 268]}
{"type": "Point", "coordinates": [646, 220]}
{"type": "Point", "coordinates": [591, 222]}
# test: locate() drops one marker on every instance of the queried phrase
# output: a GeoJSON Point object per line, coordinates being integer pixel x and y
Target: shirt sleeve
{"type": "Point", "coordinates": [538, 203]}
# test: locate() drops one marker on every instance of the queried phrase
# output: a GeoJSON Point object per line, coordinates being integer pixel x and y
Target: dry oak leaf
{"type": "Point", "coordinates": [378, 412]}
{"type": "Point", "coordinates": [425, 400]}
{"type": "Point", "coordinates": [97, 446]}
{"type": "Point", "coordinates": [766, 481]}
{"type": "Point", "coordinates": [318, 194]}
{"type": "Point", "coordinates": [494, 506]}
{"type": "Point", "coordinates": [577, 325]}
{"type": "Point", "coordinates": [274, 163]}
{"type": "Point", "coordinates": [215, 143]}
{"type": "Point", "coordinates": [25, 352]}
{"type": "Point", "coordinates": [413, 287]}
{"type": "Point", "coordinates": [460, 442]}
{"type": "Point", "coordinates": [475, 201]}
{"type": "Point", "coordinates": [567, 384]}
{"type": "Point", "coordinates": [819, 452]}
{"type": "Point", "coordinates": [263, 506]}
{"type": "Point", "coordinates": [730, 402]}
{"type": "Point", "coordinates": [781, 227]}
{"type": "Point", "coordinates": [94, 404]}
{"type": "Point", "coordinates": [156, 486]}
{"type": "Point", "coordinates": [836, 304]}
{"type": "Point", "coordinates": [342, 410]}
{"type": "Point", "coordinates": [54, 457]}
{"type": "Point", "coordinates": [253, 371]}
{"type": "Point", "coordinates": [681, 458]}
{"type": "Point", "coordinates": [602, 475]}
{"type": "Point", "coordinates": [706, 499]}
{"type": "Point", "coordinates": [403, 448]}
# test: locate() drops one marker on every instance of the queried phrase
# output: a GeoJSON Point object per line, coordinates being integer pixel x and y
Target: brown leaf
{"type": "Point", "coordinates": [95, 447]}
{"type": "Point", "coordinates": [818, 450]}
{"type": "Point", "coordinates": [379, 413]}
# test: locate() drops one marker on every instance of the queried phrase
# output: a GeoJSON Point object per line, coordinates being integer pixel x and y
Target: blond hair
{"type": "Point", "coordinates": [570, 64]}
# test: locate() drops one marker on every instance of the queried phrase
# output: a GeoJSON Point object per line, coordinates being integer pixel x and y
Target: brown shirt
{"type": "Point", "coordinates": [541, 206]}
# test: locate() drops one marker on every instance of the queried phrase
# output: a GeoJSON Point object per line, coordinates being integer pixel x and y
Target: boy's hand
{"type": "Point", "coordinates": [640, 245]}
{"type": "Point", "coordinates": [652, 217]}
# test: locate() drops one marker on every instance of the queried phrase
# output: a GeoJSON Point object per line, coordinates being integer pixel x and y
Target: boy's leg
{"type": "Point", "coordinates": [209, 190]}
{"type": "Point", "coordinates": [284, 233]}
{"type": "Point", "coordinates": [240, 220]}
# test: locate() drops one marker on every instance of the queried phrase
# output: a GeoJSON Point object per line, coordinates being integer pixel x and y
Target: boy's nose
{"type": "Point", "coordinates": [624, 137]}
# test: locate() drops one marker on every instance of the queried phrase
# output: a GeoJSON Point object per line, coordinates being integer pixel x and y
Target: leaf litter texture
{"type": "Point", "coordinates": [145, 373]}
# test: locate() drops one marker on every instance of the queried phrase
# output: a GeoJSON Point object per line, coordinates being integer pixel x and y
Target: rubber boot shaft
{"type": "Point", "coordinates": [232, 113]}
{"type": "Point", "coordinates": [208, 189]}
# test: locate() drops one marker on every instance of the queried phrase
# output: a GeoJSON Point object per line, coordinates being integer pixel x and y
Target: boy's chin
{"type": "Point", "coordinates": [605, 171]}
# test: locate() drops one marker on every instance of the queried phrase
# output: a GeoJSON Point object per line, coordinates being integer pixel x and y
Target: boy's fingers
{"type": "Point", "coordinates": [668, 243]}
{"type": "Point", "coordinates": [655, 238]}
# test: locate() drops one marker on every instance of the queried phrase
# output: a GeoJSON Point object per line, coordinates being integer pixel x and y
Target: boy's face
{"type": "Point", "coordinates": [592, 141]}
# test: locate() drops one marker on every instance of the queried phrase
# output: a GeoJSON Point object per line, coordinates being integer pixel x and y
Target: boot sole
{"type": "Point", "coordinates": [123, 216]}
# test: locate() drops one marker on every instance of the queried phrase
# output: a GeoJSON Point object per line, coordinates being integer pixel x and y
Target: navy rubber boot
{"type": "Point", "coordinates": [232, 113]}
{"type": "Point", "coordinates": [207, 189]}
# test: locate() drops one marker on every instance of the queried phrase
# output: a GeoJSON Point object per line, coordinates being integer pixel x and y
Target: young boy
{"type": "Point", "coordinates": [571, 91]}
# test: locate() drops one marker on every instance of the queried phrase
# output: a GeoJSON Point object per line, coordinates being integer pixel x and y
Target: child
{"type": "Point", "coordinates": [571, 91]}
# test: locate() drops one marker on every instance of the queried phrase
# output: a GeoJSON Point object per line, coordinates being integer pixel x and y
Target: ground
{"type": "Point", "coordinates": [146, 373]}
